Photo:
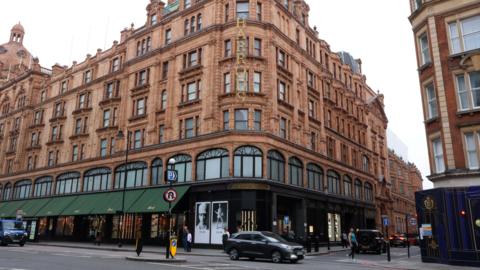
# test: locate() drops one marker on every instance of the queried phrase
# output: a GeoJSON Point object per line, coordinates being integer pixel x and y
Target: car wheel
{"type": "Point", "coordinates": [233, 254]}
{"type": "Point", "coordinates": [276, 257]}
{"type": "Point", "coordinates": [251, 258]}
{"type": "Point", "coordinates": [293, 261]}
{"type": "Point", "coordinates": [22, 244]}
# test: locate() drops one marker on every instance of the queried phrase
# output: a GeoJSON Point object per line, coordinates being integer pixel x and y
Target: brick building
{"type": "Point", "coordinates": [447, 39]}
{"type": "Point", "coordinates": [406, 179]}
{"type": "Point", "coordinates": [268, 127]}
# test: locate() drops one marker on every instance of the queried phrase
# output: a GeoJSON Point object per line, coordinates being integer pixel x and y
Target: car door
{"type": "Point", "coordinates": [244, 244]}
{"type": "Point", "coordinates": [259, 246]}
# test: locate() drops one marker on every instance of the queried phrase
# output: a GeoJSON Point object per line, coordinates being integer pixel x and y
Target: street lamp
{"type": "Point", "coordinates": [171, 162]}
{"type": "Point", "coordinates": [121, 136]}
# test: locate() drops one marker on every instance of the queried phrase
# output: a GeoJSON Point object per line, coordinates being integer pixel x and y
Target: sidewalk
{"type": "Point", "coordinates": [161, 249]}
{"type": "Point", "coordinates": [415, 264]}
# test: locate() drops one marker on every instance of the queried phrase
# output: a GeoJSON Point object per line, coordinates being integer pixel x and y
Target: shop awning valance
{"type": "Point", "coordinates": [152, 200]}
{"type": "Point", "coordinates": [9, 210]}
{"type": "Point", "coordinates": [32, 207]}
{"type": "Point", "coordinates": [55, 206]}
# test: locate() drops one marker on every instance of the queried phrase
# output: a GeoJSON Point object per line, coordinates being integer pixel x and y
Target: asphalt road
{"type": "Point", "coordinates": [59, 258]}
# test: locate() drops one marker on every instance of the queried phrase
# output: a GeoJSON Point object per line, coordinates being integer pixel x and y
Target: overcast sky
{"type": "Point", "coordinates": [377, 31]}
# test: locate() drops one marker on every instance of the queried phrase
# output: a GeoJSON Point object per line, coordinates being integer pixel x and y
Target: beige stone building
{"type": "Point", "coordinates": [257, 111]}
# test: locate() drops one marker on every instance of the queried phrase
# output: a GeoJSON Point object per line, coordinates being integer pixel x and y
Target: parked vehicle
{"type": "Point", "coordinates": [265, 245]}
{"type": "Point", "coordinates": [12, 232]}
{"type": "Point", "coordinates": [371, 240]}
{"type": "Point", "coordinates": [398, 240]}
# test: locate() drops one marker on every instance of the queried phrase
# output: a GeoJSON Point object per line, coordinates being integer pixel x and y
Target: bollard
{"type": "Point", "coordinates": [317, 243]}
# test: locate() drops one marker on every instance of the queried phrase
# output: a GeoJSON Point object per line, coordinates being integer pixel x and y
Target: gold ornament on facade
{"type": "Point", "coordinates": [429, 203]}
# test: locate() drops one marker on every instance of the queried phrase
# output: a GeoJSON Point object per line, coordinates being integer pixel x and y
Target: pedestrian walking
{"type": "Point", "coordinates": [344, 240]}
{"type": "Point", "coordinates": [189, 241]}
{"type": "Point", "coordinates": [184, 238]}
{"type": "Point", "coordinates": [225, 237]}
{"type": "Point", "coordinates": [352, 240]}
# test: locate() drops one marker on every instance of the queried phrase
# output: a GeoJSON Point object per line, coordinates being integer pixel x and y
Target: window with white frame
{"type": "Point", "coordinates": [241, 119]}
{"type": "Point", "coordinates": [257, 82]}
{"type": "Point", "coordinates": [437, 149]}
{"type": "Point", "coordinates": [227, 83]}
{"type": "Point", "coordinates": [468, 90]}
{"type": "Point", "coordinates": [432, 111]}
{"type": "Point", "coordinates": [106, 118]}
{"type": "Point", "coordinates": [471, 149]}
{"type": "Point", "coordinates": [424, 48]}
{"type": "Point", "coordinates": [465, 34]}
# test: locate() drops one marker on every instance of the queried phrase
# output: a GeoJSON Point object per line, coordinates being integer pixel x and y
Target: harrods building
{"type": "Point", "coordinates": [268, 127]}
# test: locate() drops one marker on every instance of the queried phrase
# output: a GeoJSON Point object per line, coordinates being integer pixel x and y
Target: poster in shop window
{"type": "Point", "coordinates": [202, 223]}
{"type": "Point", "coordinates": [219, 221]}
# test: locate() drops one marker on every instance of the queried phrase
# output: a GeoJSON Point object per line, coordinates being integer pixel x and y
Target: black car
{"type": "Point", "coordinates": [265, 245]}
{"type": "Point", "coordinates": [371, 240]}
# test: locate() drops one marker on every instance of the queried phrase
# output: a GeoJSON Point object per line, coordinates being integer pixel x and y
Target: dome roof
{"type": "Point", "coordinates": [18, 28]}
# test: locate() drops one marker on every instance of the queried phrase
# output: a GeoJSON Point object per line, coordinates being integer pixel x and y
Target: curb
{"type": "Point", "coordinates": [144, 259]}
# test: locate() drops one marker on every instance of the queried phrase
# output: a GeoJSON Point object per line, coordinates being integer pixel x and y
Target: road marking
{"type": "Point", "coordinates": [71, 255]}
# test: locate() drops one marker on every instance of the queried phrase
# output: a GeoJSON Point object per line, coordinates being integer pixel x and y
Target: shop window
{"type": "Point", "coordinates": [68, 183]}
{"type": "Point", "coordinates": [275, 166]}
{"type": "Point", "coordinates": [183, 165]}
{"type": "Point", "coordinates": [248, 162]}
{"type": "Point", "coordinates": [334, 227]}
{"type": "Point", "coordinates": [213, 164]}
{"type": "Point", "coordinates": [22, 189]}
{"type": "Point", "coordinates": [43, 186]}
{"type": "Point", "coordinates": [157, 172]}
{"type": "Point", "coordinates": [136, 175]}
{"type": "Point", "coordinates": [97, 179]}
{"type": "Point", "coordinates": [315, 177]}
{"type": "Point", "coordinates": [295, 168]}
{"type": "Point", "coordinates": [64, 226]}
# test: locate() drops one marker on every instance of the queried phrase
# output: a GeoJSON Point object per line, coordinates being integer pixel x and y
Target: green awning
{"type": "Point", "coordinates": [2, 204]}
{"type": "Point", "coordinates": [31, 207]}
{"type": "Point", "coordinates": [55, 206]}
{"type": "Point", "coordinates": [152, 200]}
{"type": "Point", "coordinates": [102, 203]}
{"type": "Point", "coordinates": [9, 210]}
{"type": "Point", "coordinates": [112, 202]}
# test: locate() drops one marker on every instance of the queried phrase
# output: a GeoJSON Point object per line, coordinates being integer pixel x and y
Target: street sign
{"type": "Point", "coordinates": [172, 176]}
{"type": "Point", "coordinates": [385, 221]}
{"type": "Point", "coordinates": [170, 195]}
{"type": "Point", "coordinates": [413, 221]}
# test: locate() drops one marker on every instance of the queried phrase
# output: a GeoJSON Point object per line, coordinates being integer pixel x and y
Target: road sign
{"type": "Point", "coordinates": [172, 175]}
{"type": "Point", "coordinates": [170, 195]}
{"type": "Point", "coordinates": [385, 221]}
{"type": "Point", "coordinates": [413, 221]}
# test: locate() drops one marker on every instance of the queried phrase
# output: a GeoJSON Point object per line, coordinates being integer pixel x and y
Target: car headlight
{"type": "Point", "coordinates": [286, 246]}
{"type": "Point", "coordinates": [6, 233]}
{"type": "Point", "coordinates": [25, 234]}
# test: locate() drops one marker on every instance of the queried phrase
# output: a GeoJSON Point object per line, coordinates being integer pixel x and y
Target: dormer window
{"type": "Point", "coordinates": [87, 76]}
{"type": "Point", "coordinates": [63, 87]}
{"type": "Point", "coordinates": [153, 19]}
{"type": "Point", "coordinates": [115, 64]}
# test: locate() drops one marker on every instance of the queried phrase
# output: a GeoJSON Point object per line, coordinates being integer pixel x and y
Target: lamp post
{"type": "Point", "coordinates": [121, 136]}
{"type": "Point", "coordinates": [171, 163]}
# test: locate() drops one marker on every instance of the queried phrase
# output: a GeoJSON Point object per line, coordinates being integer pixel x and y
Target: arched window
{"type": "Point", "coordinates": [97, 179]}
{"type": "Point", "coordinates": [315, 177]}
{"type": "Point", "coordinates": [358, 189]}
{"type": "Point", "coordinates": [347, 185]}
{"type": "Point", "coordinates": [7, 192]}
{"type": "Point", "coordinates": [136, 175]}
{"type": "Point", "coordinates": [43, 186]}
{"type": "Point", "coordinates": [333, 182]}
{"type": "Point", "coordinates": [157, 171]}
{"type": "Point", "coordinates": [68, 183]}
{"type": "Point", "coordinates": [183, 165]}
{"type": "Point", "coordinates": [275, 166]}
{"type": "Point", "coordinates": [22, 189]}
{"type": "Point", "coordinates": [368, 192]}
{"type": "Point", "coordinates": [213, 164]}
{"type": "Point", "coordinates": [248, 162]}
{"type": "Point", "coordinates": [295, 168]}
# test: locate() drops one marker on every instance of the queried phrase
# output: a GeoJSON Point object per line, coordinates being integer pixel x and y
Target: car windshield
{"type": "Point", "coordinates": [274, 238]}
{"type": "Point", "coordinates": [12, 225]}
